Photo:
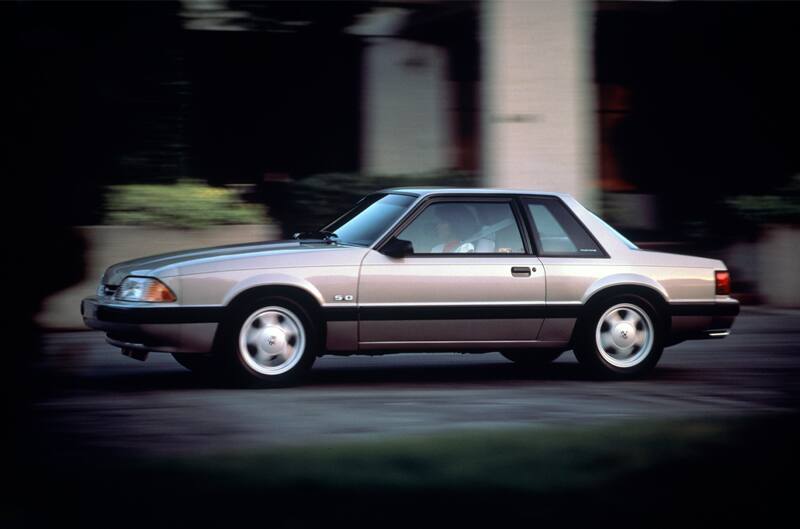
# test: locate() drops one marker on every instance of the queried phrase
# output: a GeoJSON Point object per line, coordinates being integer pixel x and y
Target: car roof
{"type": "Point", "coordinates": [426, 191]}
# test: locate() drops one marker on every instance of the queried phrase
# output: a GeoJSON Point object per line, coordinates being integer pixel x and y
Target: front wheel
{"type": "Point", "coordinates": [620, 337]}
{"type": "Point", "coordinates": [270, 341]}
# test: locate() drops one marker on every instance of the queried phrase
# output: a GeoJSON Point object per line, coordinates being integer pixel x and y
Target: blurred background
{"type": "Point", "coordinates": [134, 128]}
{"type": "Point", "coordinates": [675, 121]}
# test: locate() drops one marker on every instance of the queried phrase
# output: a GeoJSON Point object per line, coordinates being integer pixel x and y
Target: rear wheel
{"type": "Point", "coordinates": [270, 341]}
{"type": "Point", "coordinates": [533, 358]}
{"type": "Point", "coordinates": [621, 337]}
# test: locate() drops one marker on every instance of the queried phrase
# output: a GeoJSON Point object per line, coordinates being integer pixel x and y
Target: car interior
{"type": "Point", "coordinates": [479, 227]}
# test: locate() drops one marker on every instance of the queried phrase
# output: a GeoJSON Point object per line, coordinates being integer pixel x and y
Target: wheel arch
{"type": "Point", "coordinates": [631, 282]}
{"type": "Point", "coordinates": [297, 293]}
{"type": "Point", "coordinates": [294, 292]}
{"type": "Point", "coordinates": [647, 289]}
{"type": "Point", "coordinates": [275, 282]}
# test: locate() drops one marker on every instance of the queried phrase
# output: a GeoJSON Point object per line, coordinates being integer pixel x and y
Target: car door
{"type": "Point", "coordinates": [472, 279]}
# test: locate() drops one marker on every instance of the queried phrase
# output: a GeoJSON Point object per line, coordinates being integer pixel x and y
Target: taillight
{"type": "Point", "coordinates": [722, 279]}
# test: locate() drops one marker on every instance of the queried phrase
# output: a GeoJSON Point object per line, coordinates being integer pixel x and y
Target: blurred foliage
{"type": "Point", "coordinates": [186, 204]}
{"type": "Point", "coordinates": [779, 207]}
{"type": "Point", "coordinates": [315, 201]}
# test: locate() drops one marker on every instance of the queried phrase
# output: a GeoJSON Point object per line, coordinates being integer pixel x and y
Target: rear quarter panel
{"type": "Point", "coordinates": [679, 279]}
{"type": "Point", "coordinates": [577, 280]}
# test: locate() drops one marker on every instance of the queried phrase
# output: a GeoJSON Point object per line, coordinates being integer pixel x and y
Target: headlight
{"type": "Point", "coordinates": [144, 289]}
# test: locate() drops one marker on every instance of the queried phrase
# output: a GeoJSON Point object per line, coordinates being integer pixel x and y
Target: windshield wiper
{"type": "Point", "coordinates": [323, 235]}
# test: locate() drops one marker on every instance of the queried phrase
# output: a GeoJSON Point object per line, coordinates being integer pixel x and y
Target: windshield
{"type": "Point", "coordinates": [370, 218]}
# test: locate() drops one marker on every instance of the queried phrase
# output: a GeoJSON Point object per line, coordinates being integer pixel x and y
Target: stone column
{"type": "Point", "coordinates": [538, 122]}
{"type": "Point", "coordinates": [405, 121]}
{"type": "Point", "coordinates": [405, 126]}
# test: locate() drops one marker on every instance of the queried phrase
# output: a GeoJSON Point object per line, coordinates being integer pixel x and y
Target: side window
{"type": "Point", "coordinates": [558, 231]}
{"type": "Point", "coordinates": [465, 227]}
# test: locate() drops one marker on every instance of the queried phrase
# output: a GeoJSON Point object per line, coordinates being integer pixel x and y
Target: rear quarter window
{"type": "Point", "coordinates": [558, 232]}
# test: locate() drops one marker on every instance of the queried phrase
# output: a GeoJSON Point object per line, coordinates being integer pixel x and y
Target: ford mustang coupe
{"type": "Point", "coordinates": [527, 274]}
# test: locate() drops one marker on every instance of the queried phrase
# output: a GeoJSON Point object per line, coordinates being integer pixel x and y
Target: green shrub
{"type": "Point", "coordinates": [186, 204]}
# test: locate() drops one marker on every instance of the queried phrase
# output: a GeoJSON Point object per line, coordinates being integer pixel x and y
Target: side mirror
{"type": "Point", "coordinates": [398, 248]}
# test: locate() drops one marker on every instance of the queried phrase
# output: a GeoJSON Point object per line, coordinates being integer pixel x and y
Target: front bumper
{"type": "Point", "coordinates": [165, 327]}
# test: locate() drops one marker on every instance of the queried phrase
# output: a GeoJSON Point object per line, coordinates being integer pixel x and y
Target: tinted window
{"type": "Point", "coordinates": [370, 218]}
{"type": "Point", "coordinates": [559, 233]}
{"type": "Point", "coordinates": [465, 227]}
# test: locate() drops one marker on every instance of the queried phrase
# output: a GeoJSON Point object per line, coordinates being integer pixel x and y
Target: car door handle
{"type": "Point", "coordinates": [520, 271]}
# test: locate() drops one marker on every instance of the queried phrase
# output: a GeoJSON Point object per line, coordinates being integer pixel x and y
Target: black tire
{"type": "Point", "coordinates": [201, 364]}
{"type": "Point", "coordinates": [533, 358]}
{"type": "Point", "coordinates": [241, 371]}
{"type": "Point", "coordinates": [606, 364]}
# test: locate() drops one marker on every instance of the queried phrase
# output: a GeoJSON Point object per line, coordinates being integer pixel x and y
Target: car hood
{"type": "Point", "coordinates": [234, 257]}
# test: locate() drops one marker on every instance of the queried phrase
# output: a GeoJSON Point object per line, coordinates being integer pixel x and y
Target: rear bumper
{"type": "Point", "coordinates": [172, 328]}
{"type": "Point", "coordinates": [703, 321]}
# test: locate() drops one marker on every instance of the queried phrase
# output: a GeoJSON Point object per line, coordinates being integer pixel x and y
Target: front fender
{"type": "Point", "coordinates": [273, 279]}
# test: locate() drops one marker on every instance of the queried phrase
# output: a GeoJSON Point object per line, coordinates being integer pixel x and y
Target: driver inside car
{"type": "Point", "coordinates": [454, 223]}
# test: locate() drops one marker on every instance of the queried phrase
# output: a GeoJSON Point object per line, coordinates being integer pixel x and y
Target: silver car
{"type": "Point", "coordinates": [525, 273]}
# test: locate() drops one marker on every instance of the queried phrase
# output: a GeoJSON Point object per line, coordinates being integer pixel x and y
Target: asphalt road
{"type": "Point", "coordinates": [96, 399]}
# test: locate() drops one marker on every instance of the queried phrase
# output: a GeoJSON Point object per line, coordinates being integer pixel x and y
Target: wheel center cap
{"type": "Point", "coordinates": [274, 341]}
{"type": "Point", "coordinates": [624, 335]}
